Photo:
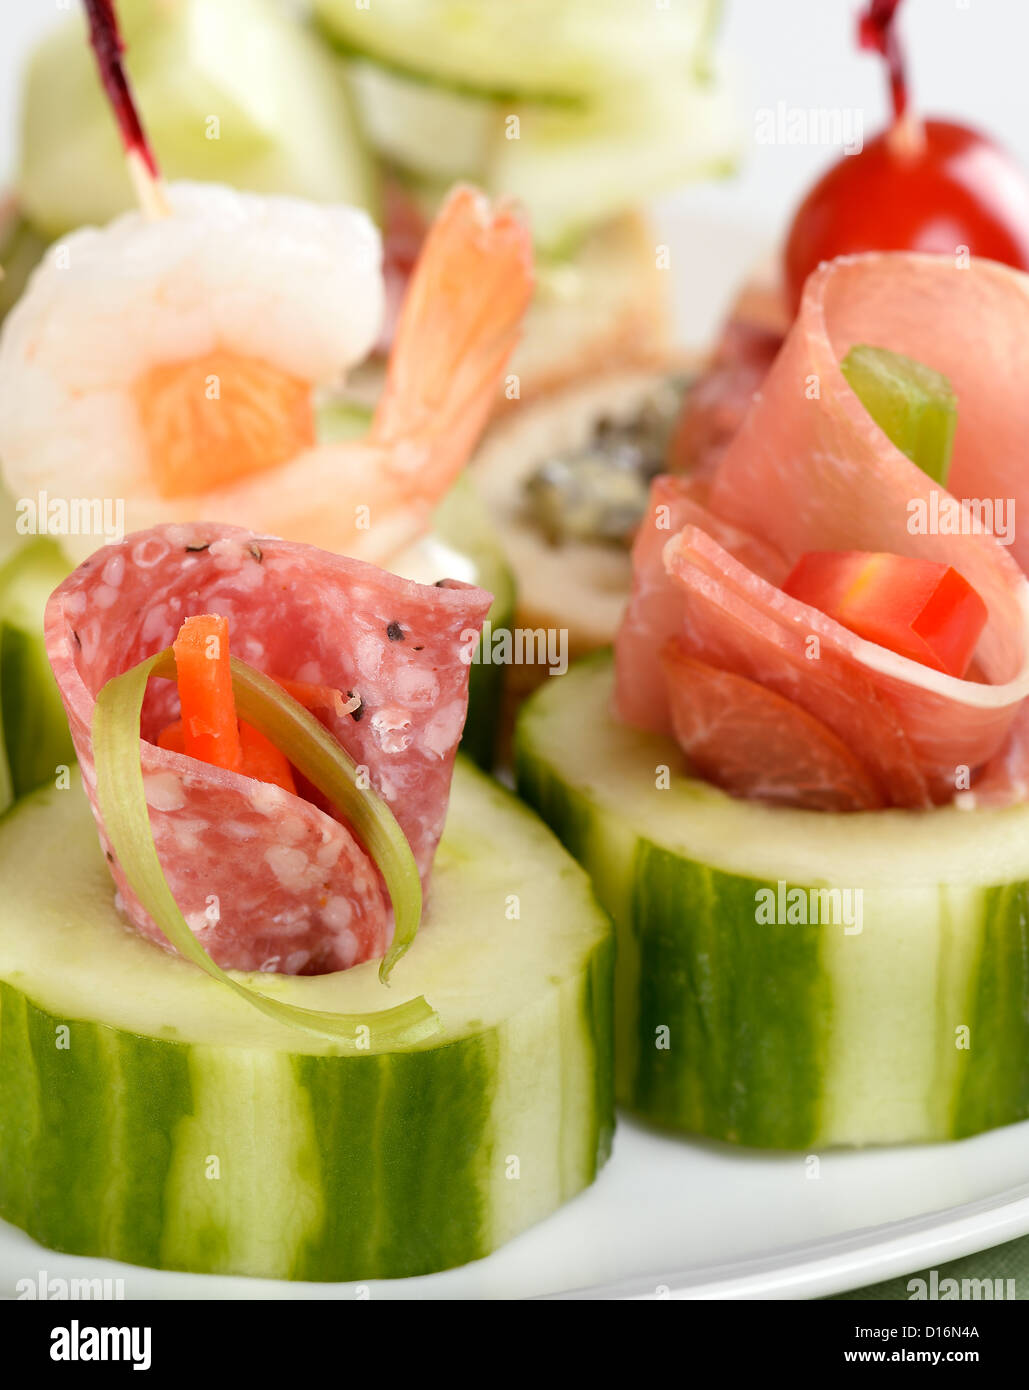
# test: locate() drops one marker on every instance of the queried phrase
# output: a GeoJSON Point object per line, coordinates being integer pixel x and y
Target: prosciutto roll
{"type": "Point", "coordinates": [809, 470]}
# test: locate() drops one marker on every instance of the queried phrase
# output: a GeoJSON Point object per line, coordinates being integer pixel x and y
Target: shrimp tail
{"type": "Point", "coordinates": [459, 322]}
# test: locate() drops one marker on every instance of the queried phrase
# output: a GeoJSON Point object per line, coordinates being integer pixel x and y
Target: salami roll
{"type": "Point", "coordinates": [268, 879]}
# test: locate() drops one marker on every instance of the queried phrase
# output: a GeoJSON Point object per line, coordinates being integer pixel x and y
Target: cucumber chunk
{"type": "Point", "coordinates": [434, 132]}
{"type": "Point", "coordinates": [780, 1033]}
{"type": "Point", "coordinates": [35, 738]}
{"type": "Point", "coordinates": [570, 167]}
{"type": "Point", "coordinates": [233, 91]}
{"type": "Point", "coordinates": [21, 250]}
{"type": "Point", "coordinates": [914, 406]}
{"type": "Point", "coordinates": [462, 522]}
{"type": "Point", "coordinates": [328, 1167]}
{"type": "Point", "coordinates": [575, 49]}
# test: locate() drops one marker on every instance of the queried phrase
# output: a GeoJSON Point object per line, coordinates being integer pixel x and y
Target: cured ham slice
{"type": "Point", "coordinates": [716, 406]}
{"type": "Point", "coordinates": [809, 469]}
{"type": "Point", "coordinates": [655, 608]}
{"type": "Point", "coordinates": [915, 728]}
{"type": "Point", "coordinates": [291, 887]}
{"type": "Point", "coordinates": [751, 742]}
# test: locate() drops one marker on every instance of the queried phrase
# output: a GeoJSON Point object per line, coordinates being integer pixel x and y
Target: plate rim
{"type": "Point", "coordinates": [837, 1263]}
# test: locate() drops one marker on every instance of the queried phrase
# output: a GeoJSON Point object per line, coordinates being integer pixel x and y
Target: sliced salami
{"type": "Point", "coordinates": [267, 879]}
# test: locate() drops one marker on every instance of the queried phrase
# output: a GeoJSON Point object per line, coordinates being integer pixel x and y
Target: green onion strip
{"type": "Point", "coordinates": [317, 755]}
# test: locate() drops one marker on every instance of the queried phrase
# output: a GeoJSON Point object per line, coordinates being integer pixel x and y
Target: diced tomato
{"type": "Point", "coordinates": [918, 608]}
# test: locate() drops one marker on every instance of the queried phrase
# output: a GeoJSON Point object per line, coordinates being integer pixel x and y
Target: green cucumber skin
{"type": "Point", "coordinates": [695, 927]}
{"type": "Point", "coordinates": [754, 1010]}
{"type": "Point", "coordinates": [65, 1133]}
{"type": "Point", "coordinates": [219, 1147]}
{"type": "Point", "coordinates": [993, 1086]}
{"type": "Point", "coordinates": [34, 738]}
{"type": "Point", "coordinates": [94, 1147]}
{"type": "Point", "coordinates": [21, 250]}
{"type": "Point", "coordinates": [462, 521]}
{"type": "Point", "coordinates": [486, 700]}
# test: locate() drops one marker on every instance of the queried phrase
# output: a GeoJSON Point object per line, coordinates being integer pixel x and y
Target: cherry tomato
{"type": "Point", "coordinates": [956, 189]}
{"type": "Point", "coordinates": [918, 608]}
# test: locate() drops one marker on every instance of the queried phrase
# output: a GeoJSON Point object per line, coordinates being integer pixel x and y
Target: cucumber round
{"type": "Point", "coordinates": [462, 522]}
{"type": "Point", "coordinates": [233, 91]}
{"type": "Point", "coordinates": [914, 1028]}
{"type": "Point", "coordinates": [572, 169]}
{"type": "Point", "coordinates": [21, 250]}
{"type": "Point", "coordinates": [148, 1115]}
{"type": "Point", "coordinates": [34, 737]}
{"type": "Point", "coordinates": [569, 167]}
{"type": "Point", "coordinates": [550, 51]}
{"type": "Point", "coordinates": [434, 132]}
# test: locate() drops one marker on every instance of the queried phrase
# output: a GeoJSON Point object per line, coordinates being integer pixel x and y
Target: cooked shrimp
{"type": "Point", "coordinates": [175, 365]}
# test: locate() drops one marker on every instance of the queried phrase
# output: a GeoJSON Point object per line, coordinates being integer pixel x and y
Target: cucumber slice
{"type": "Point", "coordinates": [462, 522]}
{"type": "Point", "coordinates": [35, 738]}
{"type": "Point", "coordinates": [570, 167]}
{"type": "Point", "coordinates": [176, 1127]}
{"type": "Point", "coordinates": [434, 132]}
{"type": "Point", "coordinates": [21, 250]}
{"type": "Point", "coordinates": [284, 122]}
{"type": "Point", "coordinates": [790, 1036]}
{"type": "Point", "coordinates": [552, 52]}
{"type": "Point", "coordinates": [914, 406]}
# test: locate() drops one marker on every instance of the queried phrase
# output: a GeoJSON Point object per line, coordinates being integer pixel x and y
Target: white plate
{"type": "Point", "coordinates": [671, 1218]}
{"type": "Point", "coordinates": [678, 1219]}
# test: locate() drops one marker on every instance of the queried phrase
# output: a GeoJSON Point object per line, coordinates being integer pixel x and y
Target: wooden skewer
{"type": "Point", "coordinates": [150, 193]}
{"type": "Point", "coordinates": [108, 47]}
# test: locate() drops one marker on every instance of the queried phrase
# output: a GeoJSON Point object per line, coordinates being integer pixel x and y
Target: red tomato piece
{"type": "Point", "coordinates": [920, 609]}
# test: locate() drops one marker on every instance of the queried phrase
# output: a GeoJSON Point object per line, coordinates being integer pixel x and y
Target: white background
{"type": "Point", "coordinates": [968, 59]}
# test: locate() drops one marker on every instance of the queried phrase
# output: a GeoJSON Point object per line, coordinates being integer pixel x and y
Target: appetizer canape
{"type": "Point", "coordinates": [570, 494]}
{"type": "Point", "coordinates": [265, 735]}
{"type": "Point", "coordinates": [802, 788]}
